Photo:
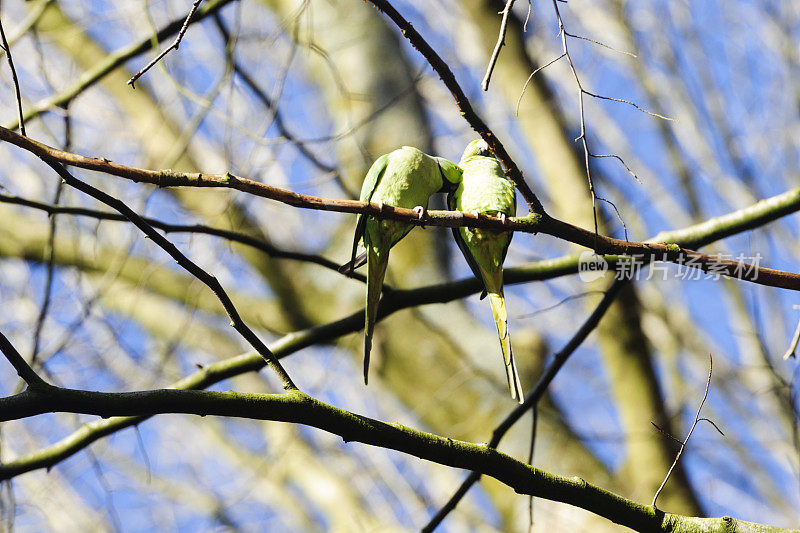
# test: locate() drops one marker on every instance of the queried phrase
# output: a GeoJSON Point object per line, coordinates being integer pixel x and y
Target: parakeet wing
{"type": "Point", "coordinates": [371, 181]}
{"type": "Point", "coordinates": [473, 265]}
{"type": "Point", "coordinates": [373, 177]}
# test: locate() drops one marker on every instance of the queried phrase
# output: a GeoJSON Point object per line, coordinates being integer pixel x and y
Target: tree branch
{"type": "Point", "coordinates": [7, 48]}
{"type": "Point", "coordinates": [174, 46]}
{"type": "Point", "coordinates": [531, 398]}
{"type": "Point", "coordinates": [697, 235]}
{"type": "Point", "coordinates": [193, 268]}
{"type": "Point", "coordinates": [299, 408]}
{"type": "Point", "coordinates": [757, 214]}
{"type": "Point", "coordinates": [23, 369]}
{"type": "Point", "coordinates": [501, 40]}
{"type": "Point", "coordinates": [229, 235]}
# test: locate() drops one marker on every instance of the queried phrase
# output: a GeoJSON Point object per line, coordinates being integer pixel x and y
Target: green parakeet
{"type": "Point", "coordinates": [485, 189]}
{"type": "Point", "coordinates": [406, 178]}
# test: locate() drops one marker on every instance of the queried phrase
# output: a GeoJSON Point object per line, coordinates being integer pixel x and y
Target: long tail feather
{"type": "Point", "coordinates": [501, 320]}
{"type": "Point", "coordinates": [376, 270]}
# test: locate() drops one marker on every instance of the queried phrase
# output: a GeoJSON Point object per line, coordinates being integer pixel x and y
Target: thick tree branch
{"type": "Point", "coordinates": [299, 408]}
{"type": "Point", "coordinates": [665, 250]}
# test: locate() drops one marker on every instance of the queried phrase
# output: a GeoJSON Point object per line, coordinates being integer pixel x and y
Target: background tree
{"type": "Point", "coordinates": [303, 96]}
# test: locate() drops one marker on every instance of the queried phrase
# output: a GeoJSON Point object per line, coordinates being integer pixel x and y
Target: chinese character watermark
{"type": "Point", "coordinates": [592, 266]}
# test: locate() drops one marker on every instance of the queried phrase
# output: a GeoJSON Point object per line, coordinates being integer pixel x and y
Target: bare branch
{"type": "Point", "coordinates": [115, 60]}
{"type": "Point", "coordinates": [621, 100]}
{"type": "Point", "coordinates": [23, 369]}
{"type": "Point", "coordinates": [7, 49]}
{"type": "Point", "coordinates": [462, 102]}
{"type": "Point", "coordinates": [300, 408]}
{"type": "Point", "coordinates": [764, 211]}
{"type": "Point", "coordinates": [691, 429]}
{"type": "Point", "coordinates": [790, 351]}
{"type": "Point", "coordinates": [581, 37]}
{"type": "Point", "coordinates": [522, 93]}
{"type": "Point", "coordinates": [501, 40]}
{"type": "Point", "coordinates": [174, 46]}
{"type": "Point", "coordinates": [233, 236]}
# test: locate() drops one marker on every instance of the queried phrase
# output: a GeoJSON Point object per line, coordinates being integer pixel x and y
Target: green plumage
{"type": "Point", "coordinates": [485, 189]}
{"type": "Point", "coordinates": [406, 178]}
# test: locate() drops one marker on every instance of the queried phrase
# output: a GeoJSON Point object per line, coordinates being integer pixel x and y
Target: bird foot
{"type": "Point", "coordinates": [502, 217]}
{"type": "Point", "coordinates": [476, 213]}
{"type": "Point", "coordinates": [420, 211]}
{"type": "Point", "coordinates": [381, 205]}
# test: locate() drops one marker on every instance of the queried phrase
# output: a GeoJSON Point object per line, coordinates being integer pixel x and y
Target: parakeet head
{"type": "Point", "coordinates": [477, 147]}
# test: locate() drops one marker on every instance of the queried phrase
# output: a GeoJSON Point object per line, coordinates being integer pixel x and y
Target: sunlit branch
{"type": "Point", "coordinates": [697, 236]}
{"type": "Point", "coordinates": [299, 408]}
{"type": "Point", "coordinates": [117, 59]}
{"type": "Point", "coordinates": [532, 398]}
{"type": "Point", "coordinates": [663, 249]}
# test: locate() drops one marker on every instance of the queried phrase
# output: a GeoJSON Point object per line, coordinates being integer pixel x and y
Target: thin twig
{"type": "Point", "coordinates": [262, 96]}
{"type": "Point", "coordinates": [623, 101]}
{"type": "Point", "coordinates": [581, 37]}
{"type": "Point", "coordinates": [17, 92]}
{"type": "Point", "coordinates": [233, 236]}
{"type": "Point", "coordinates": [534, 424]}
{"type": "Point", "coordinates": [543, 309]}
{"type": "Point", "coordinates": [694, 424]}
{"type": "Point", "coordinates": [527, 16]}
{"type": "Point", "coordinates": [587, 154]}
{"type": "Point", "coordinates": [621, 161]}
{"type": "Point", "coordinates": [51, 251]}
{"type": "Point", "coordinates": [501, 40]}
{"type": "Point", "coordinates": [522, 93]}
{"type": "Point", "coordinates": [174, 46]}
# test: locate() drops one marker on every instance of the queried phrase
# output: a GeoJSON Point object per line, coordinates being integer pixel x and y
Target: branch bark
{"type": "Point", "coordinates": [532, 223]}
{"type": "Point", "coordinates": [299, 408]}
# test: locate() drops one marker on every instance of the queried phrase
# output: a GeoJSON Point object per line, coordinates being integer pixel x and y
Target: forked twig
{"type": "Point", "coordinates": [174, 46]}
{"type": "Point", "coordinates": [697, 419]}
